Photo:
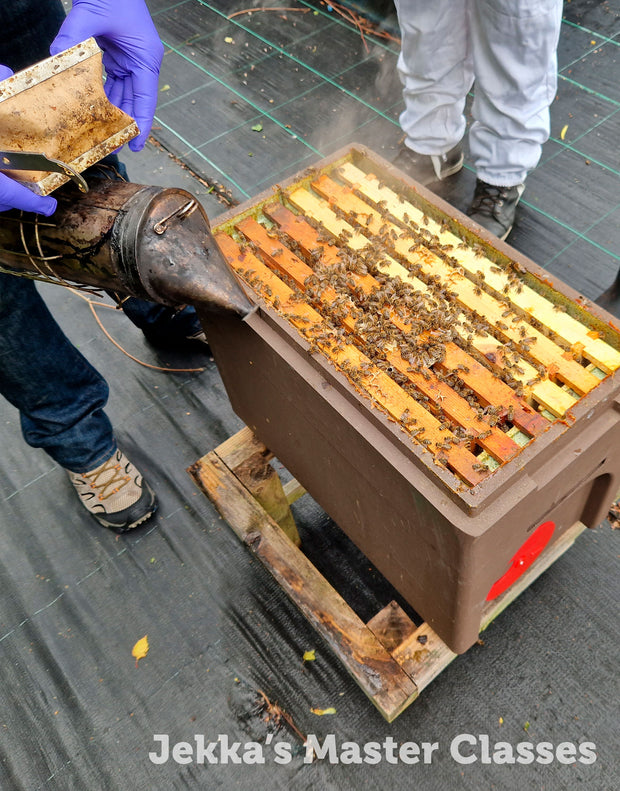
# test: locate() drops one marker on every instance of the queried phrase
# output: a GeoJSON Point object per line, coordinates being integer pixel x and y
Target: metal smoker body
{"type": "Point", "coordinates": [149, 242]}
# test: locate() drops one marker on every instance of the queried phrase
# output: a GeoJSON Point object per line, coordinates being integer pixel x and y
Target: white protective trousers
{"type": "Point", "coordinates": [508, 48]}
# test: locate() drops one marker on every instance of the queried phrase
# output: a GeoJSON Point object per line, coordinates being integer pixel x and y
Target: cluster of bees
{"type": "Point", "coordinates": [425, 320]}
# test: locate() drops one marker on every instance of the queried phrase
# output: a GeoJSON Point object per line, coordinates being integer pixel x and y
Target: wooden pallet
{"type": "Point", "coordinates": [514, 361]}
{"type": "Point", "coordinates": [390, 658]}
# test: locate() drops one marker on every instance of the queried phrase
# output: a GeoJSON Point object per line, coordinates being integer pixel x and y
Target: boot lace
{"type": "Point", "coordinates": [113, 479]}
{"type": "Point", "coordinates": [488, 198]}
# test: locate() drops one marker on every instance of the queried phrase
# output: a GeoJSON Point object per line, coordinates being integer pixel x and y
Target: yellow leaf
{"type": "Point", "coordinates": [501, 720]}
{"type": "Point", "coordinates": [309, 656]}
{"type": "Point", "coordinates": [321, 712]}
{"type": "Point", "coordinates": [229, 40]}
{"type": "Point", "coordinates": [165, 87]}
{"type": "Point", "coordinates": [140, 649]}
{"type": "Point", "coordinates": [563, 132]}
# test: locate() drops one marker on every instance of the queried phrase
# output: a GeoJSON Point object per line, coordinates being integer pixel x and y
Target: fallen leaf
{"type": "Point", "coordinates": [563, 132]}
{"type": "Point", "coordinates": [257, 128]}
{"type": "Point", "coordinates": [229, 40]}
{"type": "Point", "coordinates": [321, 712]}
{"type": "Point", "coordinates": [164, 88]}
{"type": "Point", "coordinates": [140, 649]}
{"type": "Point", "coordinates": [309, 656]}
{"type": "Point", "coordinates": [526, 727]}
{"type": "Point", "coordinates": [501, 720]}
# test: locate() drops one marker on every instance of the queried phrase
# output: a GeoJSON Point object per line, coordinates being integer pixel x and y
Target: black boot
{"type": "Point", "coordinates": [495, 207]}
{"type": "Point", "coordinates": [610, 299]}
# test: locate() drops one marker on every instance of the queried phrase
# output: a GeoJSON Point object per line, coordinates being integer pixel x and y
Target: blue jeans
{"type": "Point", "coordinates": [59, 395]}
{"type": "Point", "coordinates": [27, 28]}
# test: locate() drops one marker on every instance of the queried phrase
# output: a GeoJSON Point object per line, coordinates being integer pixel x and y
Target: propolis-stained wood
{"type": "Point", "coordinates": [433, 390]}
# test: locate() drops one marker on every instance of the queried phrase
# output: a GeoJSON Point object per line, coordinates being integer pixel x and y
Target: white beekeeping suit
{"type": "Point", "coordinates": [506, 49]}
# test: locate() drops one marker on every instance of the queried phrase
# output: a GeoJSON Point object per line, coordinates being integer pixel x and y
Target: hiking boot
{"type": "Point", "coordinates": [428, 168]}
{"type": "Point", "coordinates": [495, 207]}
{"type": "Point", "coordinates": [115, 493]}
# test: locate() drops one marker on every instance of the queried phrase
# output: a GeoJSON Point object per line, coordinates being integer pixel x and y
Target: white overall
{"type": "Point", "coordinates": [508, 47]}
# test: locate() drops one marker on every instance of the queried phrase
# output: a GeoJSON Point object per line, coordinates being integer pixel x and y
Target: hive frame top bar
{"type": "Point", "coordinates": [597, 321]}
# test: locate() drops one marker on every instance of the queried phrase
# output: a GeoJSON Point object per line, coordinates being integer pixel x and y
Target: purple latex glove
{"type": "Point", "coordinates": [132, 54]}
{"type": "Point", "coordinates": [16, 196]}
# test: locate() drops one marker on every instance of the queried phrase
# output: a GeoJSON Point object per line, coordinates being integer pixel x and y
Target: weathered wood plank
{"type": "Point", "coordinates": [248, 458]}
{"type": "Point", "coordinates": [242, 446]}
{"type": "Point", "coordinates": [391, 626]}
{"type": "Point", "coordinates": [423, 655]}
{"type": "Point", "coordinates": [380, 677]}
{"type": "Point", "coordinates": [293, 491]}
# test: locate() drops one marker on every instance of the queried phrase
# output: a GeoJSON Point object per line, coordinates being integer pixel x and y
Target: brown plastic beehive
{"type": "Point", "coordinates": [451, 408]}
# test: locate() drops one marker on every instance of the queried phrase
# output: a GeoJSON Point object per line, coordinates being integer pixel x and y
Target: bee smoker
{"type": "Point", "coordinates": [149, 242]}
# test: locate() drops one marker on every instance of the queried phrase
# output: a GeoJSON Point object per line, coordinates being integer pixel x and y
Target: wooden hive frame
{"type": "Point", "coordinates": [333, 252]}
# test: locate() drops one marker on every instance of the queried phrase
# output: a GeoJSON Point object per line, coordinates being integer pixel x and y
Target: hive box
{"type": "Point", "coordinates": [446, 543]}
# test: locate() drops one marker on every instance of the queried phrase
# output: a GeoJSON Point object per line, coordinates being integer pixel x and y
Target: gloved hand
{"type": "Point", "coordinates": [132, 54]}
{"type": "Point", "coordinates": [16, 196]}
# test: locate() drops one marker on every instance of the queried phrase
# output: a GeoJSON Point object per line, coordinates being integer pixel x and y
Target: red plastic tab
{"type": "Point", "coordinates": [523, 559]}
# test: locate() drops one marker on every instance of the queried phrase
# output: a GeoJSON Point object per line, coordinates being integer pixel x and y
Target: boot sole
{"type": "Point", "coordinates": [125, 528]}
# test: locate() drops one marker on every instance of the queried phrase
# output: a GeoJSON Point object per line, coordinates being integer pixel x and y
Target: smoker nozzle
{"type": "Point", "coordinates": [165, 246]}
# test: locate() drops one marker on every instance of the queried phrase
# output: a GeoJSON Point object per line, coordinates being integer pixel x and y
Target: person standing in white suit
{"type": "Point", "coordinates": [506, 50]}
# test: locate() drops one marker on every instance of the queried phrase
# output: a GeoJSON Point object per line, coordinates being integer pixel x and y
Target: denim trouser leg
{"type": "Point", "coordinates": [27, 29]}
{"type": "Point", "coordinates": [60, 396]}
